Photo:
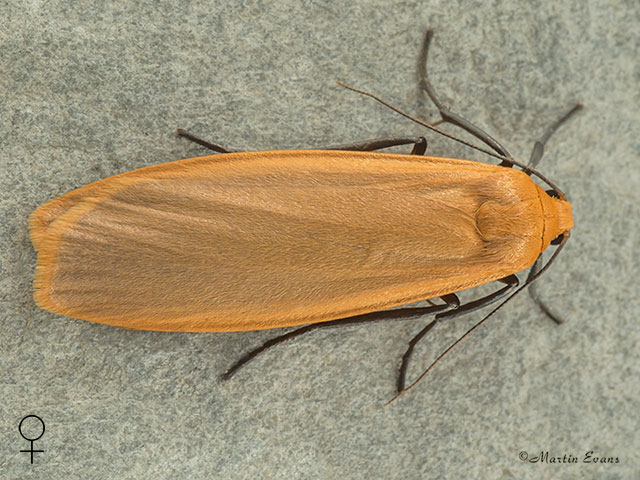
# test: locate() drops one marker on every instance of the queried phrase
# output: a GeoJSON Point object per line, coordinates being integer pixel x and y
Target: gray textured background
{"type": "Point", "coordinates": [88, 90]}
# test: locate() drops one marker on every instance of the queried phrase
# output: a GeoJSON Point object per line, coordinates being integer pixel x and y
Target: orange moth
{"type": "Point", "coordinates": [258, 240]}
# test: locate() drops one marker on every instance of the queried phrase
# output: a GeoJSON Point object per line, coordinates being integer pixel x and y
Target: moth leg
{"type": "Point", "coordinates": [419, 145]}
{"type": "Point", "coordinates": [216, 147]}
{"type": "Point", "coordinates": [447, 115]}
{"type": "Point", "coordinates": [397, 314]}
{"type": "Point", "coordinates": [538, 146]}
{"type": "Point", "coordinates": [511, 282]}
{"type": "Point", "coordinates": [533, 293]}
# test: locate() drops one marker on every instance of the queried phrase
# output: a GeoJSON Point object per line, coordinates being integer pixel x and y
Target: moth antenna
{"type": "Point", "coordinates": [425, 124]}
{"type": "Point", "coordinates": [527, 169]}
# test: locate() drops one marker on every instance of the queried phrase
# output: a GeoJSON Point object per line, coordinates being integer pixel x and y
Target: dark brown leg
{"type": "Point", "coordinates": [538, 146]}
{"type": "Point", "coordinates": [216, 147]}
{"type": "Point", "coordinates": [533, 293]}
{"type": "Point", "coordinates": [397, 314]}
{"type": "Point", "coordinates": [511, 282]}
{"type": "Point", "coordinates": [446, 114]}
{"type": "Point", "coordinates": [419, 144]}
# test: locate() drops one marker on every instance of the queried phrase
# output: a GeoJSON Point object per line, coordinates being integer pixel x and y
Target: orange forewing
{"type": "Point", "coordinates": [257, 240]}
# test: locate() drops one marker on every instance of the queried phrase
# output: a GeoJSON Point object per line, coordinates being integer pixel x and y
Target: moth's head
{"type": "Point", "coordinates": [558, 219]}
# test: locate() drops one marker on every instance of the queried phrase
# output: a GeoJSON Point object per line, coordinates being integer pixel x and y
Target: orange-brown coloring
{"type": "Point", "coordinates": [256, 240]}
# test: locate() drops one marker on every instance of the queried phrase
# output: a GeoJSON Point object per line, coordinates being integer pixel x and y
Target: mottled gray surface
{"type": "Point", "coordinates": [90, 90]}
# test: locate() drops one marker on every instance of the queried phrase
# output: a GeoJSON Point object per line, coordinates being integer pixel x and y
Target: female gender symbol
{"type": "Point", "coordinates": [32, 451]}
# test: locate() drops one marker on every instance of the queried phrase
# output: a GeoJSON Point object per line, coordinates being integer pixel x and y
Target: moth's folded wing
{"type": "Point", "coordinates": [274, 239]}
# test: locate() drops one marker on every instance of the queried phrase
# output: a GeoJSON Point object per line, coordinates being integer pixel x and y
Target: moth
{"type": "Point", "coordinates": [239, 241]}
